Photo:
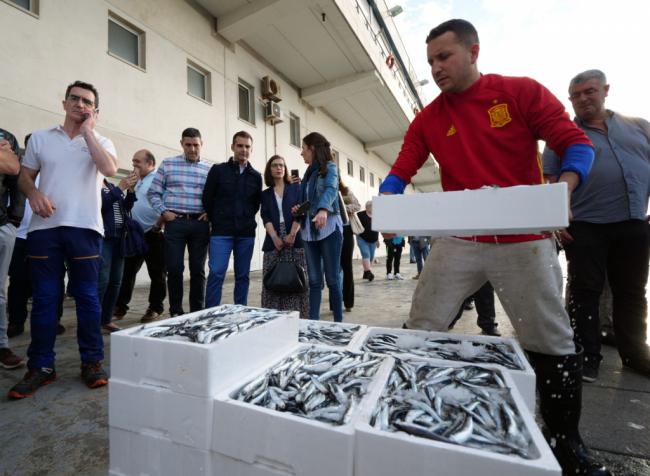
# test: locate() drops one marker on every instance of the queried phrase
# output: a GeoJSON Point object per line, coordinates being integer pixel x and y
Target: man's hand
{"type": "Point", "coordinates": [128, 182]}
{"type": "Point", "coordinates": [320, 220]}
{"type": "Point", "coordinates": [41, 205]}
{"type": "Point", "coordinates": [89, 124]}
{"type": "Point", "coordinates": [169, 216]}
{"type": "Point", "coordinates": [564, 237]}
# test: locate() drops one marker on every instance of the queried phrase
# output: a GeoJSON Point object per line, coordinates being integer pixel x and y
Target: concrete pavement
{"type": "Point", "coordinates": [63, 428]}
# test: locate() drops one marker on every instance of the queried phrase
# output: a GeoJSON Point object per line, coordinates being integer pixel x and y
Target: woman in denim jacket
{"type": "Point", "coordinates": [322, 227]}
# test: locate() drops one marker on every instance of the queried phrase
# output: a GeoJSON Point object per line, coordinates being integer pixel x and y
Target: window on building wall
{"type": "Point", "coordinates": [350, 166]}
{"type": "Point", "coordinates": [30, 6]}
{"type": "Point", "coordinates": [335, 156]}
{"type": "Point", "coordinates": [246, 102]}
{"type": "Point", "coordinates": [372, 179]}
{"type": "Point", "coordinates": [198, 82]}
{"type": "Point", "coordinates": [362, 174]}
{"type": "Point", "coordinates": [126, 41]}
{"type": "Point", "coordinates": [294, 130]}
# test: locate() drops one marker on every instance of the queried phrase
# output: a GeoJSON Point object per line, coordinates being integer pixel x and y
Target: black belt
{"type": "Point", "coordinates": [188, 216]}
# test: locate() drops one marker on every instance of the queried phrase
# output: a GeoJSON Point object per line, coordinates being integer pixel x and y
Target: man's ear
{"type": "Point", "coordinates": [473, 51]}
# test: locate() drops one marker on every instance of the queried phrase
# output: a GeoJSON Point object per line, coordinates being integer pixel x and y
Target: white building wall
{"type": "Point", "coordinates": [148, 108]}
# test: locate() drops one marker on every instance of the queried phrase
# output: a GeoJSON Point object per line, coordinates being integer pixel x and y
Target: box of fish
{"type": "Point", "coordinates": [334, 334]}
{"type": "Point", "coordinates": [298, 415]}
{"type": "Point", "coordinates": [204, 352]}
{"type": "Point", "coordinates": [451, 419]}
{"type": "Point", "coordinates": [505, 353]}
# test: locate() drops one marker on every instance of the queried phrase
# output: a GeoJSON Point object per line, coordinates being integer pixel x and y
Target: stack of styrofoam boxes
{"type": "Point", "coordinates": [523, 378]}
{"type": "Point", "coordinates": [161, 393]}
{"type": "Point", "coordinates": [274, 442]}
{"type": "Point", "coordinates": [383, 453]}
{"type": "Point", "coordinates": [354, 343]}
{"type": "Point", "coordinates": [487, 211]}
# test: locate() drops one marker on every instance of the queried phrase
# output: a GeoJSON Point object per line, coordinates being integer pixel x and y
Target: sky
{"type": "Point", "coordinates": [548, 40]}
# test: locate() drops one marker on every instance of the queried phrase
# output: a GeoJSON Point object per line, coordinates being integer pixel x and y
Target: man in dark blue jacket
{"type": "Point", "coordinates": [231, 198]}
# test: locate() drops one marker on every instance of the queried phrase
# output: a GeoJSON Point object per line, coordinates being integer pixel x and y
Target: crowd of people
{"type": "Point", "coordinates": [482, 130]}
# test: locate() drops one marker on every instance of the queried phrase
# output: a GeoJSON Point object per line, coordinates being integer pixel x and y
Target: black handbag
{"type": "Point", "coordinates": [133, 243]}
{"type": "Point", "coordinates": [286, 277]}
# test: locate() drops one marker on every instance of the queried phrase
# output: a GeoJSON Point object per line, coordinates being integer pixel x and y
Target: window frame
{"type": "Point", "coordinates": [251, 101]}
{"type": "Point", "coordinates": [294, 129]}
{"type": "Point", "coordinates": [372, 179]}
{"type": "Point", "coordinates": [362, 174]}
{"type": "Point", "coordinates": [350, 167]}
{"type": "Point", "coordinates": [33, 10]}
{"type": "Point", "coordinates": [131, 28]}
{"type": "Point", "coordinates": [207, 81]}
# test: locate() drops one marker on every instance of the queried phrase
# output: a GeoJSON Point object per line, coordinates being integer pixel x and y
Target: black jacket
{"type": "Point", "coordinates": [231, 199]}
{"type": "Point", "coordinates": [270, 212]}
{"type": "Point", "coordinates": [12, 202]}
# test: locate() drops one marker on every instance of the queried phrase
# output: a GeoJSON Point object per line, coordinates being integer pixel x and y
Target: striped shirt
{"type": "Point", "coordinates": [178, 185]}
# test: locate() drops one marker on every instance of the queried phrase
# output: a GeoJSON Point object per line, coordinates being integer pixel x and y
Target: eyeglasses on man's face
{"type": "Point", "coordinates": [73, 98]}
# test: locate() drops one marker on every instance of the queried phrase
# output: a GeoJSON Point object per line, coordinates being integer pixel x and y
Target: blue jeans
{"type": "Point", "coordinates": [46, 251]}
{"type": "Point", "coordinates": [329, 251]}
{"type": "Point", "coordinates": [195, 235]}
{"type": "Point", "coordinates": [110, 277]}
{"type": "Point", "coordinates": [220, 249]}
{"type": "Point", "coordinates": [420, 255]}
{"type": "Point", "coordinates": [366, 248]}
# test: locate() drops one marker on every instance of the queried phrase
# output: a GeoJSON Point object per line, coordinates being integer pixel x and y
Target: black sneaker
{"type": "Point", "coordinates": [590, 369]}
{"type": "Point", "coordinates": [370, 276]}
{"type": "Point", "coordinates": [93, 374]}
{"type": "Point", "coordinates": [32, 381]}
{"type": "Point", "coordinates": [491, 331]}
{"type": "Point", "coordinates": [366, 274]}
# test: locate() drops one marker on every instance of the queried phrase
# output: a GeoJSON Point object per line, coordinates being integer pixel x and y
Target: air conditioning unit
{"type": "Point", "coordinates": [272, 112]}
{"type": "Point", "coordinates": [271, 89]}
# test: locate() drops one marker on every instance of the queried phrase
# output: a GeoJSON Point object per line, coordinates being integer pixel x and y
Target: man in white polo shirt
{"type": "Point", "coordinates": [72, 161]}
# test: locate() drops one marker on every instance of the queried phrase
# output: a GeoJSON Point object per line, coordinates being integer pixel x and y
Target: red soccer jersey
{"type": "Point", "coordinates": [487, 135]}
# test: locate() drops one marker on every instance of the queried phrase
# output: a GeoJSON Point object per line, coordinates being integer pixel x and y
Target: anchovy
{"type": "Point", "coordinates": [329, 334]}
{"type": "Point", "coordinates": [469, 406]}
{"type": "Point", "coordinates": [301, 384]}
{"type": "Point", "coordinates": [213, 324]}
{"type": "Point", "coordinates": [500, 353]}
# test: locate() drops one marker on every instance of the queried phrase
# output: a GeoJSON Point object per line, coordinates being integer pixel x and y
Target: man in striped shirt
{"type": "Point", "coordinates": [176, 193]}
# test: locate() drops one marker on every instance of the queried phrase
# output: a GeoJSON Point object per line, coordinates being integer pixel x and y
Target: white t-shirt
{"type": "Point", "coordinates": [68, 177]}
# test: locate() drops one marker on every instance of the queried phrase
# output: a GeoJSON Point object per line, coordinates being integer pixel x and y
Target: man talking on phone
{"type": "Point", "coordinates": [72, 160]}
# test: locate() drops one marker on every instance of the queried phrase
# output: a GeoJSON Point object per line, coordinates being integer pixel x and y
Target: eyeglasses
{"type": "Point", "coordinates": [277, 166]}
{"type": "Point", "coordinates": [73, 98]}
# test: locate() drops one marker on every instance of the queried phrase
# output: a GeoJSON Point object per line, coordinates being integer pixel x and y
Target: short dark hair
{"type": "Point", "coordinates": [149, 157]}
{"type": "Point", "coordinates": [82, 85]}
{"type": "Point", "coordinates": [268, 178]}
{"type": "Point", "coordinates": [243, 134]}
{"type": "Point", "coordinates": [464, 31]}
{"type": "Point", "coordinates": [191, 132]}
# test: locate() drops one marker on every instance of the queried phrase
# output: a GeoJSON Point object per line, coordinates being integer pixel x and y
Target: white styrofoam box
{"type": "Point", "coordinates": [287, 442]}
{"type": "Point", "coordinates": [199, 369]}
{"type": "Point", "coordinates": [383, 453]}
{"type": "Point", "coordinates": [524, 379]}
{"type": "Point", "coordinates": [140, 454]}
{"type": "Point", "coordinates": [355, 341]}
{"type": "Point", "coordinates": [144, 454]}
{"type": "Point", "coordinates": [181, 418]}
{"type": "Point", "coordinates": [486, 211]}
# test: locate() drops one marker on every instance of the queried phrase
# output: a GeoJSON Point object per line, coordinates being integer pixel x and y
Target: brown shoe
{"type": "Point", "coordinates": [9, 360]}
{"type": "Point", "coordinates": [110, 328]}
{"type": "Point", "coordinates": [149, 316]}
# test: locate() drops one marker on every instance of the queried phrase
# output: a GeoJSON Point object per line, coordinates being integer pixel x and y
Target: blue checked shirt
{"type": "Point", "coordinates": [178, 185]}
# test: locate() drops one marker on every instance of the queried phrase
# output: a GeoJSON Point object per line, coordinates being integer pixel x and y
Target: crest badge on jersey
{"type": "Point", "coordinates": [499, 115]}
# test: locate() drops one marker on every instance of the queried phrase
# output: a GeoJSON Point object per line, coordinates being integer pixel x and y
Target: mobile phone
{"type": "Point", "coordinates": [302, 209]}
{"type": "Point", "coordinates": [294, 172]}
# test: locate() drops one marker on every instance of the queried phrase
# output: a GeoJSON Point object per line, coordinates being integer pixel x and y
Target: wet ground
{"type": "Point", "coordinates": [63, 428]}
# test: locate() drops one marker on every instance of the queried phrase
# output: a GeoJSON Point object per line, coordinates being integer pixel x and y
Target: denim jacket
{"type": "Point", "coordinates": [326, 192]}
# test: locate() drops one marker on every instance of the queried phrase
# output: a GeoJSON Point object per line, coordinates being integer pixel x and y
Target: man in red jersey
{"type": "Point", "coordinates": [483, 130]}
